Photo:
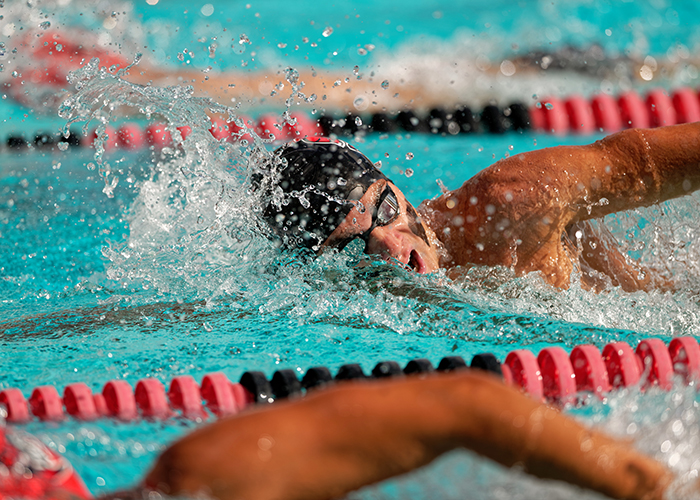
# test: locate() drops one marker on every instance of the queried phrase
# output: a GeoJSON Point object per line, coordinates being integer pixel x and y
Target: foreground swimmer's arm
{"type": "Point", "coordinates": [337, 440]}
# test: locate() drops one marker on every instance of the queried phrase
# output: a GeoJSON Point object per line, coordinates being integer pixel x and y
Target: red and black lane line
{"type": "Point", "coordinates": [553, 376]}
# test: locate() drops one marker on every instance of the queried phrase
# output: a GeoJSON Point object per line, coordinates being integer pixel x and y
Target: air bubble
{"type": "Point", "coordinates": [409, 156]}
{"type": "Point", "coordinates": [385, 84]}
{"type": "Point", "coordinates": [327, 32]}
{"type": "Point", "coordinates": [62, 146]}
{"type": "Point", "coordinates": [409, 172]}
{"type": "Point", "coordinates": [45, 25]}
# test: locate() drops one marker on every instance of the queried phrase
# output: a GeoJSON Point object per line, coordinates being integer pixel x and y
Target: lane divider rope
{"type": "Point", "coordinates": [572, 115]}
{"type": "Point", "coordinates": [553, 376]}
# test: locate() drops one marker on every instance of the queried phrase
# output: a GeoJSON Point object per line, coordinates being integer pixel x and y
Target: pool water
{"type": "Point", "coordinates": [142, 264]}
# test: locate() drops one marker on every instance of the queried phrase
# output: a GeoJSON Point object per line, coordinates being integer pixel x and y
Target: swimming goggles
{"type": "Point", "coordinates": [384, 212]}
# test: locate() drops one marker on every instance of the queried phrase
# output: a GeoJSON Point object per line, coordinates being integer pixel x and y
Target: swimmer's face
{"type": "Point", "coordinates": [390, 227]}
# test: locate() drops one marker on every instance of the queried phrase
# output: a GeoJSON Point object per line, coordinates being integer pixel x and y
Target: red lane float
{"type": "Point", "coordinates": [558, 382]}
{"type": "Point", "coordinates": [623, 366]}
{"type": "Point", "coordinates": [100, 405]}
{"type": "Point", "coordinates": [685, 356]}
{"type": "Point", "coordinates": [589, 370]}
{"type": "Point", "coordinates": [150, 398]}
{"type": "Point", "coordinates": [220, 130]}
{"type": "Point", "coordinates": [537, 118]}
{"type": "Point", "coordinates": [158, 135]}
{"type": "Point", "coordinates": [184, 395]}
{"type": "Point", "coordinates": [656, 363]}
{"type": "Point", "coordinates": [525, 372]}
{"type": "Point", "coordinates": [130, 136]}
{"type": "Point", "coordinates": [581, 119]}
{"type": "Point", "coordinates": [302, 126]}
{"type": "Point", "coordinates": [46, 403]}
{"type": "Point", "coordinates": [687, 105]}
{"type": "Point", "coordinates": [242, 396]}
{"type": "Point", "coordinates": [15, 404]}
{"type": "Point", "coordinates": [555, 119]}
{"type": "Point", "coordinates": [661, 108]}
{"type": "Point", "coordinates": [110, 139]}
{"type": "Point", "coordinates": [216, 391]}
{"type": "Point", "coordinates": [606, 113]}
{"type": "Point", "coordinates": [241, 128]}
{"type": "Point", "coordinates": [633, 110]}
{"type": "Point", "coordinates": [79, 401]}
{"type": "Point", "coordinates": [120, 399]}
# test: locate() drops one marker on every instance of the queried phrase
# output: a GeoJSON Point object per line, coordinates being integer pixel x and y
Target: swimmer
{"type": "Point", "coordinates": [337, 440]}
{"type": "Point", "coordinates": [530, 212]}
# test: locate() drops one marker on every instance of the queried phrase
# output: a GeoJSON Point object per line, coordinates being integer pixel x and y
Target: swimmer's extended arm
{"type": "Point", "coordinates": [630, 169]}
{"type": "Point", "coordinates": [340, 439]}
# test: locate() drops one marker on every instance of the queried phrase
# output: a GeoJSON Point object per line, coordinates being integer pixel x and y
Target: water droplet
{"type": "Point", "coordinates": [180, 57]}
{"type": "Point", "coordinates": [409, 172]}
{"type": "Point", "coordinates": [548, 105]}
{"type": "Point", "coordinates": [243, 39]}
{"type": "Point", "coordinates": [62, 146]}
{"type": "Point", "coordinates": [385, 84]}
{"type": "Point", "coordinates": [355, 70]}
{"type": "Point", "coordinates": [362, 51]}
{"type": "Point", "coordinates": [358, 121]}
{"type": "Point", "coordinates": [361, 103]}
{"type": "Point", "coordinates": [45, 25]}
{"type": "Point", "coordinates": [409, 156]}
{"type": "Point", "coordinates": [327, 32]}
{"type": "Point", "coordinates": [212, 50]}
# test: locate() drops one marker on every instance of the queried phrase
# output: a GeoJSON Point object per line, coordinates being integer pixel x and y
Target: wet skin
{"type": "Point", "coordinates": [531, 212]}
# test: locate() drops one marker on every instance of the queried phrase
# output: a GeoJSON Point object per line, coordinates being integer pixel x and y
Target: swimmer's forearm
{"type": "Point", "coordinates": [513, 429]}
{"type": "Point", "coordinates": [647, 166]}
{"type": "Point", "coordinates": [341, 439]}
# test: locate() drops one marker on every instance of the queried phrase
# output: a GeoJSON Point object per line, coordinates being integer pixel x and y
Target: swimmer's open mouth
{"type": "Point", "coordinates": [415, 262]}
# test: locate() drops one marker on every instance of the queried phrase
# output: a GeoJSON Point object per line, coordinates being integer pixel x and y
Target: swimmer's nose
{"type": "Point", "coordinates": [388, 241]}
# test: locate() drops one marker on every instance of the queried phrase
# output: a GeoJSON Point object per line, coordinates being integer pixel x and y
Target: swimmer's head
{"type": "Point", "coordinates": [318, 184]}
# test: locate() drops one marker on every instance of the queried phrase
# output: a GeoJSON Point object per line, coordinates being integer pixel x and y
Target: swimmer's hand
{"type": "Point", "coordinates": [357, 433]}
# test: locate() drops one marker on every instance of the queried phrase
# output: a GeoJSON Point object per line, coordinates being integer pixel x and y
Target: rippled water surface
{"type": "Point", "coordinates": [123, 265]}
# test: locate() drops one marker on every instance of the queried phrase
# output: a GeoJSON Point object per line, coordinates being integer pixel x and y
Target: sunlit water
{"type": "Point", "coordinates": [126, 265]}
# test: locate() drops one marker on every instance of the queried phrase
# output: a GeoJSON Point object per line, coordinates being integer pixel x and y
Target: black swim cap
{"type": "Point", "coordinates": [313, 192]}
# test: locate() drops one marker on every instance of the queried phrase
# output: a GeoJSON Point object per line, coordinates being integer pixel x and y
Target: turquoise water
{"type": "Point", "coordinates": [170, 275]}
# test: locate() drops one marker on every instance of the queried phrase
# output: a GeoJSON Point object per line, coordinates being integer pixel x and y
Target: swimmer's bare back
{"type": "Point", "coordinates": [348, 92]}
{"type": "Point", "coordinates": [337, 440]}
{"type": "Point", "coordinates": [520, 211]}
